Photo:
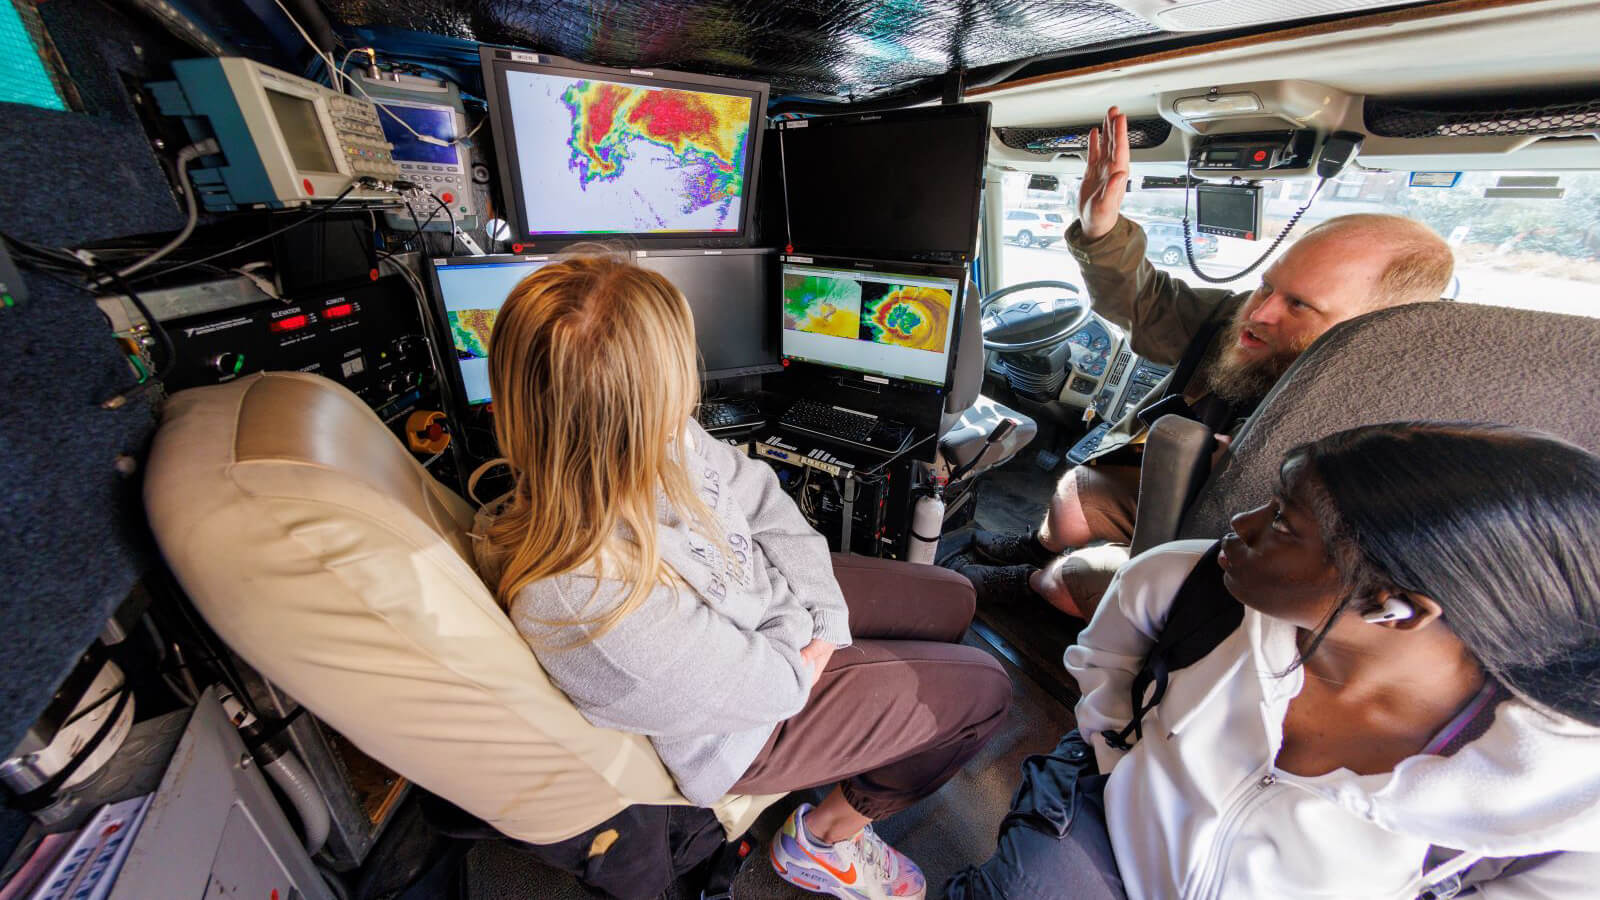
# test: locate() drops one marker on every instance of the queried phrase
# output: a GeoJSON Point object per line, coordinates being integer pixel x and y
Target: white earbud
{"type": "Point", "coordinates": [1394, 609]}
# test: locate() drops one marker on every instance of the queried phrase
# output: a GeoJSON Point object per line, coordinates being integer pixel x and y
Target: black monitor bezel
{"type": "Point", "coordinates": [1202, 225]}
{"type": "Point", "coordinates": [979, 111]}
{"type": "Point", "coordinates": [775, 329]}
{"type": "Point", "coordinates": [496, 61]}
{"type": "Point", "coordinates": [960, 272]}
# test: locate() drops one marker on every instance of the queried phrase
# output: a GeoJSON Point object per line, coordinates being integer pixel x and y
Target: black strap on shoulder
{"type": "Point", "coordinates": [1193, 354]}
{"type": "Point", "coordinates": [1203, 614]}
{"type": "Point", "coordinates": [1172, 402]}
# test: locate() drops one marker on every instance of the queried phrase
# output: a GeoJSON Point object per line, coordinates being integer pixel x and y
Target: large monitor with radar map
{"type": "Point", "coordinates": [587, 152]}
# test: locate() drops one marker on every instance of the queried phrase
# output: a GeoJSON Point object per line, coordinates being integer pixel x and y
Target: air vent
{"type": "Point", "coordinates": [1209, 15]}
{"type": "Point", "coordinates": [1433, 117]}
{"type": "Point", "coordinates": [1049, 140]}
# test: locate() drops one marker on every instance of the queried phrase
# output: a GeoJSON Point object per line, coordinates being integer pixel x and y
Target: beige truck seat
{"type": "Point", "coordinates": [329, 559]}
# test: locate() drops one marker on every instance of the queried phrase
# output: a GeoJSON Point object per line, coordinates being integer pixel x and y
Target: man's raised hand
{"type": "Point", "coordinates": [1105, 182]}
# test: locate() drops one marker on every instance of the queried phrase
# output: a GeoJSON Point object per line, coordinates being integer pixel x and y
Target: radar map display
{"type": "Point", "coordinates": [600, 157]}
{"type": "Point", "coordinates": [878, 311]}
{"type": "Point", "coordinates": [822, 305]}
{"type": "Point", "coordinates": [470, 330]}
{"type": "Point", "coordinates": [906, 316]}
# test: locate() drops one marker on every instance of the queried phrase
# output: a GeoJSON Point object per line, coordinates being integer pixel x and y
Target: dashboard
{"type": "Point", "coordinates": [1094, 367]}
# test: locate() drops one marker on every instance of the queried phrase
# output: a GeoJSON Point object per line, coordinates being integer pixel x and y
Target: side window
{"type": "Point", "coordinates": [1045, 214]}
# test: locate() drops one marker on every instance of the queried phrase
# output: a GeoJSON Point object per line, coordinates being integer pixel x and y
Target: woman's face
{"type": "Point", "coordinates": [1274, 561]}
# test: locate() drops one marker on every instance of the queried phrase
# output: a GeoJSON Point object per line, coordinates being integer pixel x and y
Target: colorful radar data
{"type": "Point", "coordinates": [470, 330]}
{"type": "Point", "coordinates": [601, 157]}
{"type": "Point", "coordinates": [900, 315]}
{"type": "Point", "coordinates": [905, 315]}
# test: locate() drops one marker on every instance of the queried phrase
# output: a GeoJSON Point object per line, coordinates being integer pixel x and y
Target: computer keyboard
{"type": "Point", "coordinates": [832, 421]}
{"type": "Point", "coordinates": [840, 424]}
{"type": "Point", "coordinates": [721, 415]}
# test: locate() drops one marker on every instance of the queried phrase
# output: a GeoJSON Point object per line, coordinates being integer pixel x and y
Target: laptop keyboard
{"type": "Point", "coordinates": [830, 421]}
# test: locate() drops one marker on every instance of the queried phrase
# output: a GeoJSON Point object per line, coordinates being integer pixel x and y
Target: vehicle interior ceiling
{"type": "Point", "coordinates": [1460, 86]}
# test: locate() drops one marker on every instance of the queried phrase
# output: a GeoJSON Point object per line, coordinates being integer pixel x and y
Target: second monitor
{"type": "Point", "coordinates": [729, 292]}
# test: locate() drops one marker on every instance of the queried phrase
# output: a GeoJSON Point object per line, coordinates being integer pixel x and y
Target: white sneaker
{"type": "Point", "coordinates": [863, 868]}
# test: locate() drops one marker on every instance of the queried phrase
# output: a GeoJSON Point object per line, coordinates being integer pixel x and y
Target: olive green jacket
{"type": "Point", "coordinates": [1161, 314]}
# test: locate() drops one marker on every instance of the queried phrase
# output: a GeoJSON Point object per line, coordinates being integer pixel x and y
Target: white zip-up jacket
{"type": "Point", "coordinates": [1197, 809]}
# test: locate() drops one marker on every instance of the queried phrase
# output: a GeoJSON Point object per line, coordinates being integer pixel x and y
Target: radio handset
{"type": "Point", "coordinates": [1338, 149]}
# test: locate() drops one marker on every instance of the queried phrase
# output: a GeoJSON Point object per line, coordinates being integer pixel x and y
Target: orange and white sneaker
{"type": "Point", "coordinates": [862, 868]}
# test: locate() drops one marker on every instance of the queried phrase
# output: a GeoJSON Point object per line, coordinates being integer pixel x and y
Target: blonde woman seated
{"type": "Point", "coordinates": [670, 588]}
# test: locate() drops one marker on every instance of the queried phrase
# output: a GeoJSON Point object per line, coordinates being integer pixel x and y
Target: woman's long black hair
{"type": "Point", "coordinates": [1500, 526]}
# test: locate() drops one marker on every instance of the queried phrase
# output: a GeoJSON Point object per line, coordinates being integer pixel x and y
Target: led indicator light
{"type": "Point", "coordinates": [292, 323]}
{"type": "Point", "coordinates": [340, 311]}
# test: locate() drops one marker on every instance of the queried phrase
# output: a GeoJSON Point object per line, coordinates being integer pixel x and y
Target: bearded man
{"type": "Point", "coordinates": [1228, 349]}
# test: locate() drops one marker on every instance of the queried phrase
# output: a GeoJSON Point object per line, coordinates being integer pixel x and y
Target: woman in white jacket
{"type": "Point", "coordinates": [1411, 699]}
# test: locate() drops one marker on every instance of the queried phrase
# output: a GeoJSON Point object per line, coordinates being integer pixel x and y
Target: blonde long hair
{"type": "Point", "coordinates": [593, 370]}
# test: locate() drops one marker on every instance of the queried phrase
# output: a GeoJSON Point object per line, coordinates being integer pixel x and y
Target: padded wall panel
{"type": "Point", "coordinates": [74, 528]}
{"type": "Point", "coordinates": [825, 46]}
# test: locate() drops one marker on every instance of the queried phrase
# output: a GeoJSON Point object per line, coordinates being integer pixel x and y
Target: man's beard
{"type": "Point", "coordinates": [1238, 379]}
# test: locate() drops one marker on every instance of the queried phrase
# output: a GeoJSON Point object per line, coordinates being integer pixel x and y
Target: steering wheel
{"type": "Point", "coordinates": [1074, 322]}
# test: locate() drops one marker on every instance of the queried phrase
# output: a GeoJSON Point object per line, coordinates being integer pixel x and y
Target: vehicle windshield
{"type": "Point", "coordinates": [1533, 253]}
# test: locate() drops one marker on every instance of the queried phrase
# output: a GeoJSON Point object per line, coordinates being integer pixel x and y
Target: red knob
{"type": "Point", "coordinates": [447, 197]}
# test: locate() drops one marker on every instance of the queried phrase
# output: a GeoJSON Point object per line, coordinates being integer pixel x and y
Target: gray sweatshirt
{"type": "Point", "coordinates": [707, 670]}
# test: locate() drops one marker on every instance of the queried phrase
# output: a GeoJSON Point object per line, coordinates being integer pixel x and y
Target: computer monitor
{"type": "Point", "coordinates": [904, 184]}
{"type": "Point", "coordinates": [587, 152]}
{"type": "Point", "coordinates": [730, 293]}
{"type": "Point", "coordinates": [468, 292]}
{"type": "Point", "coordinates": [888, 321]}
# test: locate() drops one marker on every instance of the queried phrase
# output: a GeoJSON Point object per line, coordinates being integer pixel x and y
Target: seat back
{"type": "Point", "coordinates": [966, 378]}
{"type": "Point", "coordinates": [330, 560]}
{"type": "Point", "coordinates": [1177, 458]}
{"type": "Point", "coordinates": [1443, 361]}
{"type": "Point", "coordinates": [969, 417]}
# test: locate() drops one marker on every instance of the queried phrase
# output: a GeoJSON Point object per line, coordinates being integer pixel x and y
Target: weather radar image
{"type": "Point", "coordinates": [879, 323]}
{"type": "Point", "coordinates": [603, 157]}
{"type": "Point", "coordinates": [866, 309]}
{"type": "Point", "coordinates": [469, 329]}
{"type": "Point", "coordinates": [906, 316]}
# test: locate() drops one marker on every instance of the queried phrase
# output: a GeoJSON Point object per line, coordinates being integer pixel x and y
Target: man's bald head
{"type": "Point", "coordinates": [1419, 262]}
{"type": "Point", "coordinates": [1341, 269]}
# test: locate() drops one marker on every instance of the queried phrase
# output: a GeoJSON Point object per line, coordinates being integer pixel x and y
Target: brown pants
{"type": "Point", "coordinates": [1108, 496]}
{"type": "Point", "coordinates": [897, 713]}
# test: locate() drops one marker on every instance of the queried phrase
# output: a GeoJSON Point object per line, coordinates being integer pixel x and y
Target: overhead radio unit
{"type": "Point", "coordinates": [1285, 152]}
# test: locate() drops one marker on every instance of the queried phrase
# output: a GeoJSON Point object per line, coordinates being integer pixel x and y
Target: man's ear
{"type": "Point", "coordinates": [1424, 609]}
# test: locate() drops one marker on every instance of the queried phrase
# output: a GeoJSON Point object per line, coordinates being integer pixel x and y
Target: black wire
{"type": "Point", "coordinates": [1188, 239]}
{"type": "Point", "coordinates": [37, 254]}
{"type": "Point", "coordinates": [169, 351]}
{"type": "Point", "coordinates": [253, 241]}
{"type": "Point", "coordinates": [447, 212]}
